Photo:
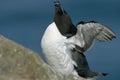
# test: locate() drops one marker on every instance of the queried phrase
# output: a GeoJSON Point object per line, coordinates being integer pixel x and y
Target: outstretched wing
{"type": "Point", "coordinates": [92, 30]}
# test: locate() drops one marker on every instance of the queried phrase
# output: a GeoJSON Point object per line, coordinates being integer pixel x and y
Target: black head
{"type": "Point", "coordinates": [59, 9]}
{"type": "Point", "coordinates": [63, 21]}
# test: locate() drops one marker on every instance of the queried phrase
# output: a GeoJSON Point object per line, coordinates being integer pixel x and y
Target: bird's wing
{"type": "Point", "coordinates": [92, 30]}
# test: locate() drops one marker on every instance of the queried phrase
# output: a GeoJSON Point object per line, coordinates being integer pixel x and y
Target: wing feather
{"type": "Point", "coordinates": [92, 30]}
{"type": "Point", "coordinates": [106, 34]}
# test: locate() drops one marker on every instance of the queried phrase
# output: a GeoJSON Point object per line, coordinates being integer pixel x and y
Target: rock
{"type": "Point", "coordinates": [20, 63]}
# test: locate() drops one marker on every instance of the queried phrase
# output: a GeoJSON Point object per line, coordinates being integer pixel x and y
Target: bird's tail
{"type": "Point", "coordinates": [97, 75]}
{"type": "Point", "coordinates": [102, 74]}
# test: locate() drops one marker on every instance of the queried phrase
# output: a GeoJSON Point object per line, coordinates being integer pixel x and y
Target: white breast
{"type": "Point", "coordinates": [56, 52]}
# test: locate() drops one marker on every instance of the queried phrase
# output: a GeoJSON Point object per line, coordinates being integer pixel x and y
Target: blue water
{"type": "Point", "coordinates": [24, 21]}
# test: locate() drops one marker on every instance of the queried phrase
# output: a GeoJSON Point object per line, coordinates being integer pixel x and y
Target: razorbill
{"type": "Point", "coordinates": [63, 44]}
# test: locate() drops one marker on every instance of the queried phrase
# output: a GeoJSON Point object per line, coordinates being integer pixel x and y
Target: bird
{"type": "Point", "coordinates": [64, 44]}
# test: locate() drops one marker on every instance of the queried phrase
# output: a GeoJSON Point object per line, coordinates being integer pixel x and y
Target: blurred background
{"type": "Point", "coordinates": [25, 21]}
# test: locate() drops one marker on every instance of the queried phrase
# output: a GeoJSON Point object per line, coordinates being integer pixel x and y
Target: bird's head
{"type": "Point", "coordinates": [58, 8]}
{"type": "Point", "coordinates": [63, 21]}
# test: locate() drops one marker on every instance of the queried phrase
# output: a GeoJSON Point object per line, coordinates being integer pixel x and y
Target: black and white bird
{"type": "Point", "coordinates": [63, 44]}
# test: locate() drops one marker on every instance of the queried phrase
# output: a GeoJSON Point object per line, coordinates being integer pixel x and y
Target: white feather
{"type": "Point", "coordinates": [56, 52]}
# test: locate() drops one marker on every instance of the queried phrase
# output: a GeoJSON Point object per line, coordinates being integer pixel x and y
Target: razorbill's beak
{"type": "Point", "coordinates": [58, 8]}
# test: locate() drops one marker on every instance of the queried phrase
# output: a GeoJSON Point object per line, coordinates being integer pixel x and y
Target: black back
{"type": "Point", "coordinates": [82, 67]}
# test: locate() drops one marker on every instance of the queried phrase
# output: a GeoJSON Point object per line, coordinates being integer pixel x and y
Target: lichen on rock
{"type": "Point", "coordinates": [20, 63]}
